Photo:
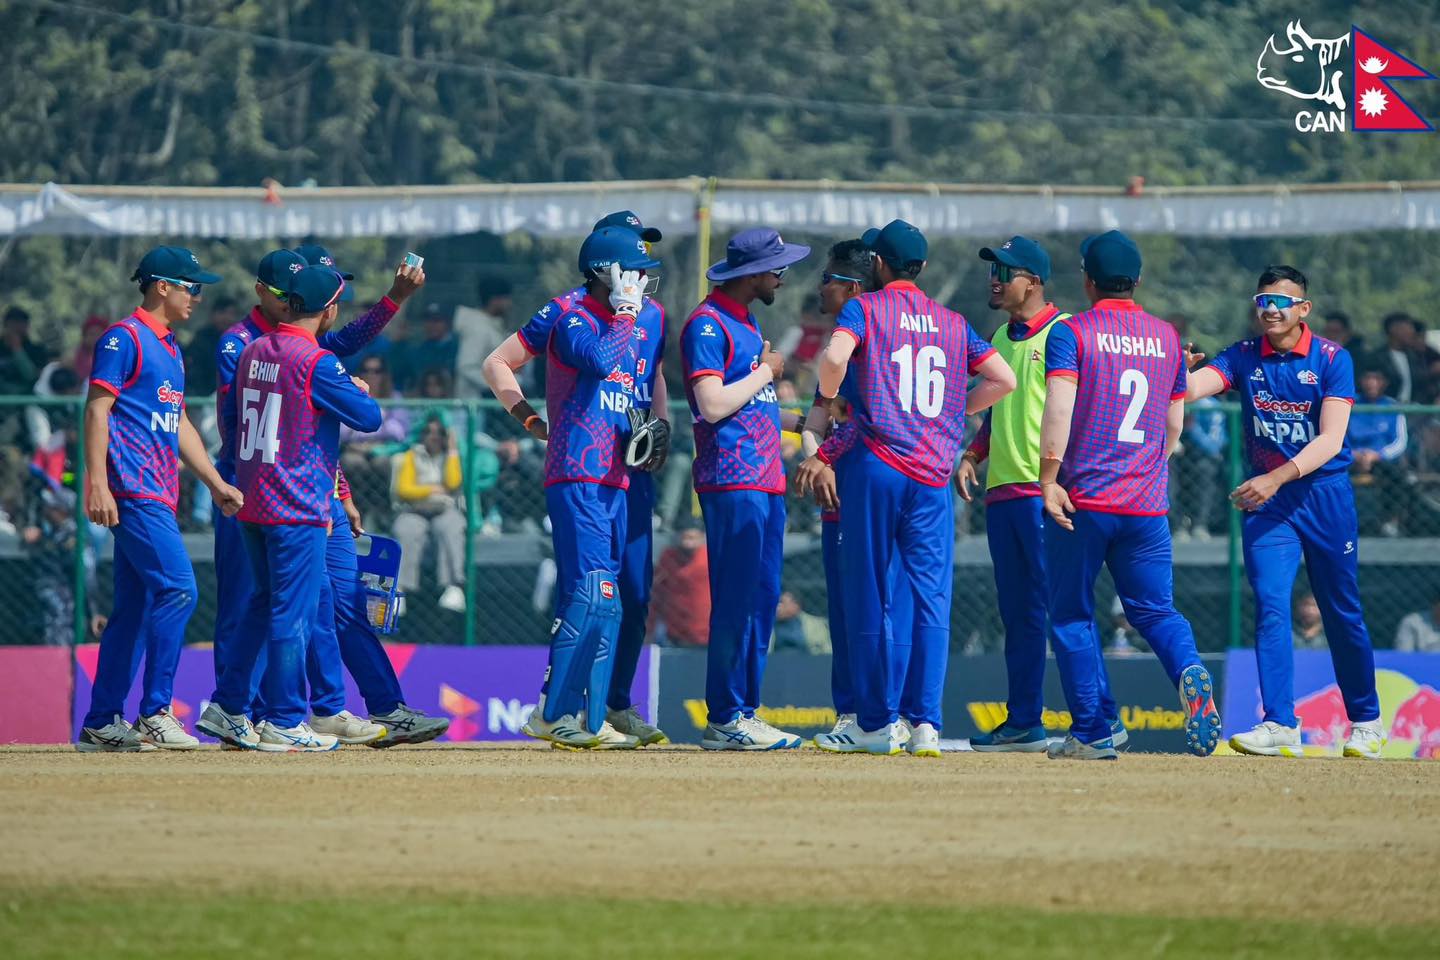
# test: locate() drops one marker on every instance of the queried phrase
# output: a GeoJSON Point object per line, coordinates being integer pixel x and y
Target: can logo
{"type": "Point", "coordinates": [607, 589]}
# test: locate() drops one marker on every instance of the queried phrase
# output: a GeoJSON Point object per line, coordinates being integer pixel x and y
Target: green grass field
{"type": "Point", "coordinates": [171, 921]}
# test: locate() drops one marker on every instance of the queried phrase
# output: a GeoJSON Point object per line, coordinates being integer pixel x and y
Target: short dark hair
{"type": "Point", "coordinates": [857, 258]}
{"type": "Point", "coordinates": [1114, 284]}
{"type": "Point", "coordinates": [908, 270]}
{"type": "Point", "coordinates": [1340, 317]}
{"type": "Point", "coordinates": [17, 315]}
{"type": "Point", "coordinates": [1277, 272]}
{"type": "Point", "coordinates": [1391, 319]}
{"type": "Point", "coordinates": [492, 287]}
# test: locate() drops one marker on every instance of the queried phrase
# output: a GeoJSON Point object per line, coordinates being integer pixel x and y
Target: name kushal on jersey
{"type": "Point", "coordinates": [1129, 346]}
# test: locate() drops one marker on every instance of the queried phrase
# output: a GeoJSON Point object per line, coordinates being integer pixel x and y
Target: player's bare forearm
{"type": "Point", "coordinates": [998, 381]}
{"type": "Point", "coordinates": [1055, 422]}
{"type": "Point", "coordinates": [1202, 383]}
{"type": "Point", "coordinates": [1174, 426]}
{"type": "Point", "coordinates": [817, 422]}
{"type": "Point", "coordinates": [97, 436]}
{"type": "Point", "coordinates": [718, 400]}
{"type": "Point", "coordinates": [789, 421]}
{"type": "Point", "coordinates": [500, 367]}
{"type": "Point", "coordinates": [834, 362]}
{"type": "Point", "coordinates": [1334, 422]}
{"type": "Point", "coordinates": [660, 399]}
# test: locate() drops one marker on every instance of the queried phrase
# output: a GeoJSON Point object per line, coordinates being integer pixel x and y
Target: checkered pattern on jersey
{"type": "Point", "coordinates": [1281, 396]}
{"type": "Point", "coordinates": [912, 363]}
{"type": "Point", "coordinates": [588, 424]}
{"type": "Point", "coordinates": [297, 485]}
{"type": "Point", "coordinates": [143, 456]}
{"type": "Point", "coordinates": [742, 451]}
{"type": "Point", "coordinates": [649, 338]}
{"type": "Point", "coordinates": [1115, 461]}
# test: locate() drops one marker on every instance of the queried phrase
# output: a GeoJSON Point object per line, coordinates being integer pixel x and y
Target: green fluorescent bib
{"type": "Point", "coordinates": [1015, 420]}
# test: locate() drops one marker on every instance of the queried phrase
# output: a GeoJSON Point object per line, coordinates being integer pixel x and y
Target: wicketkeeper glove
{"type": "Point", "coordinates": [649, 441]}
{"type": "Point", "coordinates": [627, 291]}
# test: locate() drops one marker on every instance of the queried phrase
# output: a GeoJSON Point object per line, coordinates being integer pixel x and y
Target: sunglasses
{"type": "Point", "coordinates": [1005, 273]}
{"type": "Point", "coordinates": [275, 291]}
{"type": "Point", "coordinates": [1276, 301]}
{"type": "Point", "coordinates": [827, 278]}
{"type": "Point", "coordinates": [780, 274]}
{"type": "Point", "coordinates": [194, 289]}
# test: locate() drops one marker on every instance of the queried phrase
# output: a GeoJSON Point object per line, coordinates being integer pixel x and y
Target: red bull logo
{"type": "Point", "coordinates": [168, 394]}
{"type": "Point", "coordinates": [1418, 720]}
{"type": "Point", "coordinates": [1323, 721]}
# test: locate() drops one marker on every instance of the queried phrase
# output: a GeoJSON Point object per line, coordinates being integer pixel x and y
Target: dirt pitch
{"type": "Point", "coordinates": [1150, 834]}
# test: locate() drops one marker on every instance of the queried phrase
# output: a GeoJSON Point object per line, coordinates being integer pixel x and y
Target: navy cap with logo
{"type": "Point", "coordinates": [172, 263]}
{"type": "Point", "coordinates": [1110, 258]}
{"type": "Point", "coordinates": [628, 220]}
{"type": "Point", "coordinates": [313, 289]}
{"type": "Point", "coordinates": [614, 245]}
{"type": "Point", "coordinates": [756, 251]}
{"type": "Point", "coordinates": [318, 256]}
{"type": "Point", "coordinates": [897, 243]}
{"type": "Point", "coordinates": [277, 267]}
{"type": "Point", "coordinates": [1022, 253]}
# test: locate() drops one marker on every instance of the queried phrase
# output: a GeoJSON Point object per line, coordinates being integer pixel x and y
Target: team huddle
{"type": "Point", "coordinates": [1081, 412]}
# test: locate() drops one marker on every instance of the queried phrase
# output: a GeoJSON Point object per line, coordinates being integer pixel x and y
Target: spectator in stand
{"type": "Point", "coordinates": [1378, 441]}
{"type": "Point", "coordinates": [518, 497]}
{"type": "Point", "coordinates": [437, 385]}
{"type": "Point", "coordinates": [366, 457]}
{"type": "Point", "coordinates": [84, 354]}
{"type": "Point", "coordinates": [1419, 632]}
{"type": "Point", "coordinates": [680, 595]}
{"type": "Point", "coordinates": [797, 631]}
{"type": "Point", "coordinates": [1307, 630]}
{"type": "Point", "coordinates": [201, 376]}
{"type": "Point", "coordinates": [480, 332]}
{"type": "Point", "coordinates": [21, 358]}
{"type": "Point", "coordinates": [1412, 366]}
{"type": "Point", "coordinates": [50, 546]}
{"type": "Point", "coordinates": [428, 506]}
{"type": "Point", "coordinates": [1338, 328]}
{"type": "Point", "coordinates": [437, 347]}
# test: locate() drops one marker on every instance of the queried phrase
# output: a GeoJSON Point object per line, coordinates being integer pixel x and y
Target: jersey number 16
{"type": "Point", "coordinates": [259, 425]}
{"type": "Point", "coordinates": [922, 385]}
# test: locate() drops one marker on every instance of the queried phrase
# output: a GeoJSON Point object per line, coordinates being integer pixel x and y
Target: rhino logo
{"type": "Point", "coordinates": [1305, 67]}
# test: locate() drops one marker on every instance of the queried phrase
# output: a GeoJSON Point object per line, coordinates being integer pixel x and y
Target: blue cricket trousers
{"type": "Point", "coordinates": [745, 539]}
{"type": "Point", "coordinates": [233, 580]}
{"type": "Point", "coordinates": [1016, 531]}
{"type": "Point", "coordinates": [1137, 551]}
{"type": "Point", "coordinates": [154, 598]}
{"type": "Point", "coordinates": [288, 567]}
{"type": "Point", "coordinates": [1316, 520]}
{"type": "Point", "coordinates": [637, 570]}
{"type": "Point", "coordinates": [884, 514]}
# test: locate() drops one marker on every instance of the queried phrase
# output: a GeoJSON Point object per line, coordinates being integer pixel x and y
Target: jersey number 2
{"type": "Point", "coordinates": [259, 426]}
{"type": "Point", "coordinates": [921, 385]}
{"type": "Point", "coordinates": [1133, 385]}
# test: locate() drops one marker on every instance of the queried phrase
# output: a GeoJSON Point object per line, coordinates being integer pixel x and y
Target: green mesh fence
{"type": "Point", "coordinates": [485, 573]}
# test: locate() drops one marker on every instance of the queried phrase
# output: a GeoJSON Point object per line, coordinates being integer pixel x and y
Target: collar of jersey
{"type": "Point", "coordinates": [1302, 348]}
{"type": "Point", "coordinates": [1036, 323]}
{"type": "Point", "coordinates": [259, 321]}
{"type": "Point", "coordinates": [156, 327]}
{"type": "Point", "coordinates": [601, 311]}
{"type": "Point", "coordinates": [290, 330]}
{"type": "Point", "coordinates": [729, 305]}
{"type": "Point", "coordinates": [1116, 305]}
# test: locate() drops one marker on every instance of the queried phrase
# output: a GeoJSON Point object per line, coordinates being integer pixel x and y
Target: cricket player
{"type": "Point", "coordinates": [590, 389]}
{"type": "Point", "coordinates": [289, 397]}
{"type": "Point", "coordinates": [651, 396]}
{"type": "Point", "coordinates": [232, 571]}
{"type": "Point", "coordinates": [1296, 391]}
{"type": "Point", "coordinates": [136, 431]}
{"type": "Point", "coordinates": [1014, 512]}
{"type": "Point", "coordinates": [1114, 409]}
{"type": "Point", "coordinates": [912, 358]}
{"type": "Point", "coordinates": [730, 374]}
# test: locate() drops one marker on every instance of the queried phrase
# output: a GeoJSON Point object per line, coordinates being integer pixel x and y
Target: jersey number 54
{"type": "Point", "coordinates": [259, 425]}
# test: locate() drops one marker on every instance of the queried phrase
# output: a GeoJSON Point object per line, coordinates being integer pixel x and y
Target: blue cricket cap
{"type": "Point", "coordinates": [317, 256]}
{"type": "Point", "coordinates": [628, 220]}
{"type": "Point", "coordinates": [175, 263]}
{"type": "Point", "coordinates": [1022, 253]}
{"type": "Point", "coordinates": [614, 245]}
{"type": "Point", "coordinates": [897, 243]}
{"type": "Point", "coordinates": [278, 266]}
{"type": "Point", "coordinates": [313, 289]}
{"type": "Point", "coordinates": [1110, 258]}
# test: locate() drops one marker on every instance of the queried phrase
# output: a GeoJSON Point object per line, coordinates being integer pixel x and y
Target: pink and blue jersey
{"type": "Point", "coordinates": [1281, 395]}
{"type": "Point", "coordinates": [290, 396]}
{"type": "Point", "coordinates": [589, 386]}
{"type": "Point", "coordinates": [1129, 368]}
{"type": "Point", "coordinates": [649, 338]}
{"type": "Point", "coordinates": [349, 339]}
{"type": "Point", "coordinates": [138, 361]}
{"type": "Point", "coordinates": [742, 451]}
{"type": "Point", "coordinates": [912, 363]}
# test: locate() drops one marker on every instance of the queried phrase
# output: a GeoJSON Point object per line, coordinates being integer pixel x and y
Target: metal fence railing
{"type": "Point", "coordinates": [55, 579]}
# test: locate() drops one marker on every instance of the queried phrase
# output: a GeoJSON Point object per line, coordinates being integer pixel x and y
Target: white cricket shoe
{"type": "Point", "coordinates": [452, 598]}
{"type": "Point", "coordinates": [924, 740]}
{"type": "Point", "coordinates": [746, 733]}
{"type": "Point", "coordinates": [608, 738]}
{"type": "Point", "coordinates": [843, 722]}
{"type": "Point", "coordinates": [165, 731]}
{"type": "Point", "coordinates": [1073, 749]}
{"type": "Point", "coordinates": [403, 725]}
{"type": "Point", "coordinates": [629, 722]}
{"type": "Point", "coordinates": [567, 731]}
{"type": "Point", "coordinates": [236, 730]}
{"type": "Point", "coordinates": [297, 739]}
{"type": "Point", "coordinates": [1269, 739]}
{"type": "Point", "coordinates": [117, 736]}
{"type": "Point", "coordinates": [1367, 738]}
{"type": "Point", "coordinates": [887, 741]}
{"type": "Point", "coordinates": [348, 728]}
